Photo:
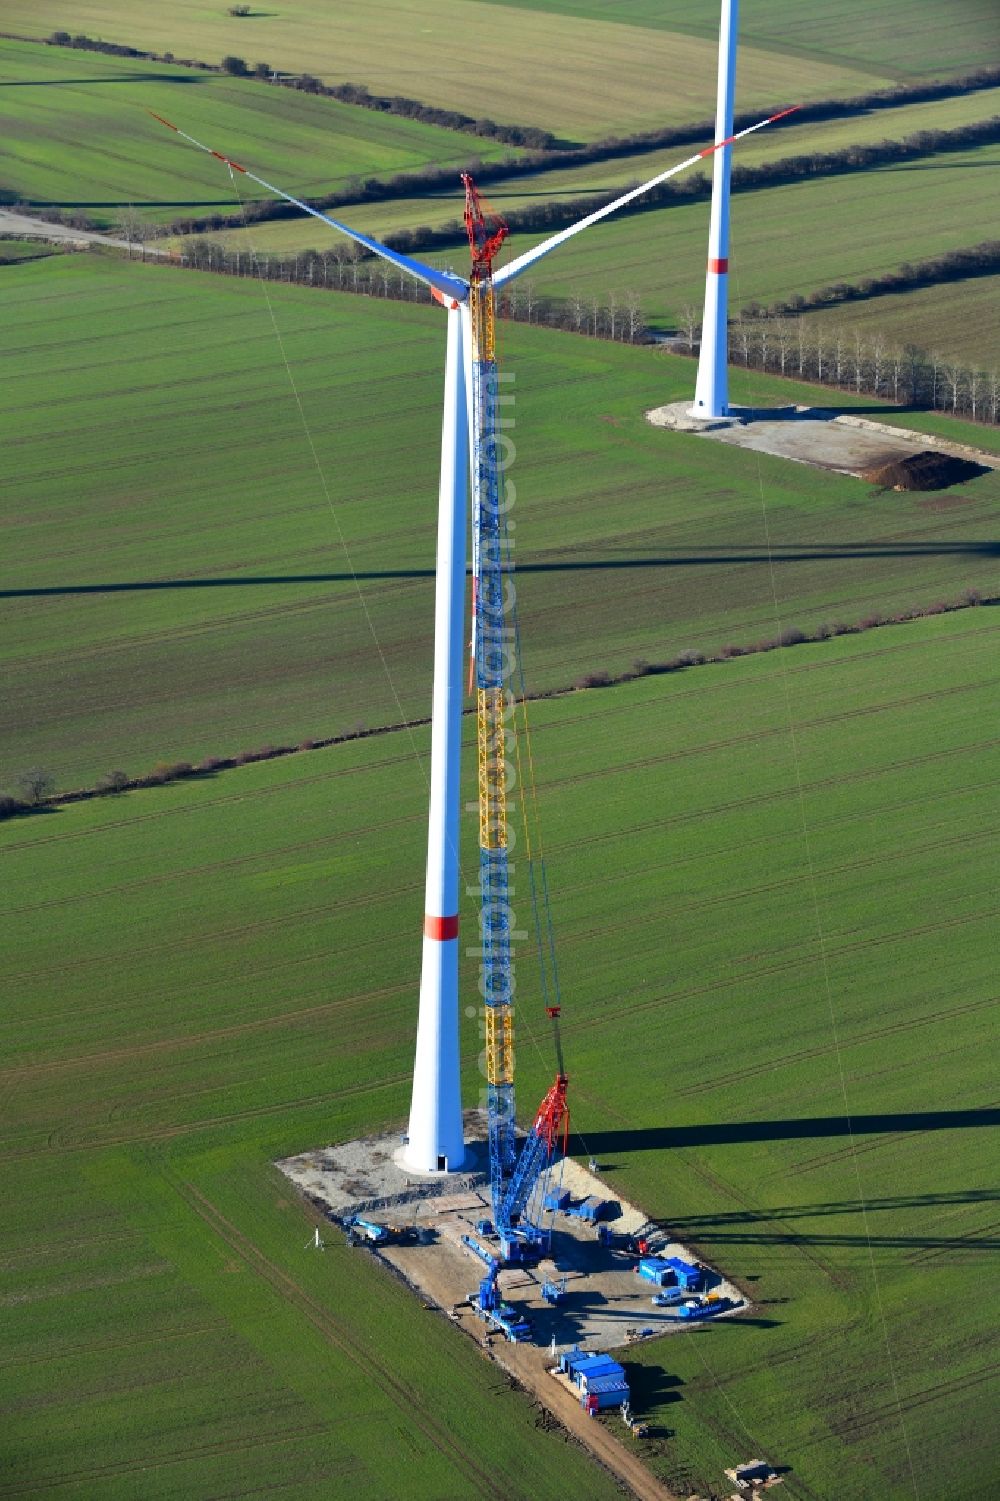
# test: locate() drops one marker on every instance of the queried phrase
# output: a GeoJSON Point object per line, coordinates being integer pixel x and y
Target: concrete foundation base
{"type": "Point", "coordinates": [819, 436]}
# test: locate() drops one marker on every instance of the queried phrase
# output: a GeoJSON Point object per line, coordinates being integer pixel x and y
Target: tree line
{"type": "Point", "coordinates": [557, 214]}
{"type": "Point", "coordinates": [348, 268]}
{"type": "Point", "coordinates": [952, 265]}
{"type": "Point", "coordinates": [359, 94]}
{"type": "Point", "coordinates": [866, 363]}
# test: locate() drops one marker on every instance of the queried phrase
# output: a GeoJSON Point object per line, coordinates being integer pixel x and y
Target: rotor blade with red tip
{"type": "Point", "coordinates": [515, 267]}
{"type": "Point", "coordinates": [453, 287]}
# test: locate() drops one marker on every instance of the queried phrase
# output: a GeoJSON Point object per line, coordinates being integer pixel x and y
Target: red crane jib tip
{"type": "Point", "coordinates": [167, 123]}
{"type": "Point", "coordinates": [235, 165]}
{"type": "Point", "coordinates": [485, 238]}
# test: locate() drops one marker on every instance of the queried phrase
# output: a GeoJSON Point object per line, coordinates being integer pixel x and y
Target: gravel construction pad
{"type": "Point", "coordinates": [813, 435]}
{"type": "Point", "coordinates": [606, 1303]}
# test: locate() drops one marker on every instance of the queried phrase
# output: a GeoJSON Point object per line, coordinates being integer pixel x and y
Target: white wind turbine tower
{"type": "Point", "coordinates": [711, 392]}
{"type": "Point", "coordinates": [435, 1140]}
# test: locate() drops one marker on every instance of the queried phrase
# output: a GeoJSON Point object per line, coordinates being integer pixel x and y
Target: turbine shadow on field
{"type": "Point", "coordinates": [184, 203]}
{"type": "Point", "coordinates": [764, 1227]}
{"type": "Point", "coordinates": [947, 1199]}
{"type": "Point", "coordinates": [48, 83]}
{"type": "Point", "coordinates": [703, 558]}
{"type": "Point", "coordinates": [735, 1133]}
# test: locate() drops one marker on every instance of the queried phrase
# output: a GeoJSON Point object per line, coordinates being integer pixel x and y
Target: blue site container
{"type": "Point", "coordinates": [611, 1391]}
{"type": "Point", "coordinates": [688, 1275]}
{"type": "Point", "coordinates": [558, 1199]}
{"type": "Point", "coordinates": [597, 1369]}
{"type": "Point", "coordinates": [655, 1269]}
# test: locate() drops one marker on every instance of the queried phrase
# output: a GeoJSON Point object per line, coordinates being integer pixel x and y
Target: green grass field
{"type": "Point", "coordinates": [772, 892]}
{"type": "Point", "coordinates": [901, 37]}
{"type": "Point", "coordinates": [510, 193]}
{"type": "Point", "coordinates": [581, 79]}
{"type": "Point", "coordinates": [13, 251]}
{"type": "Point", "coordinates": [833, 229]}
{"type": "Point", "coordinates": [957, 318]}
{"type": "Point", "coordinates": [179, 583]}
{"type": "Point", "coordinates": [78, 135]}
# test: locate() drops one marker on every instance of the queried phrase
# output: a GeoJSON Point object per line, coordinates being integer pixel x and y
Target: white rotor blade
{"type": "Point", "coordinates": [522, 262]}
{"type": "Point", "coordinates": [451, 287]}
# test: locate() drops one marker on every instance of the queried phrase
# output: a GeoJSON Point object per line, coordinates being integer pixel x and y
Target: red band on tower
{"type": "Point", "coordinates": [719, 267]}
{"type": "Point", "coordinates": [441, 928]}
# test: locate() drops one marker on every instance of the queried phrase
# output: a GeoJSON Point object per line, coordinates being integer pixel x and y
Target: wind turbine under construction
{"type": "Point", "coordinates": [470, 447]}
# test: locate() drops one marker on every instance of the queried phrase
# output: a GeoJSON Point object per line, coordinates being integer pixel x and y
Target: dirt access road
{"type": "Point", "coordinates": [22, 226]}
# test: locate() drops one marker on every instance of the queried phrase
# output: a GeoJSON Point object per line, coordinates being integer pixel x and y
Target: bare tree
{"type": "Point", "coordinates": [973, 386]}
{"type": "Point", "coordinates": [690, 326]}
{"type": "Point", "coordinates": [633, 312]}
{"type": "Point", "coordinates": [896, 366]}
{"type": "Point", "coordinates": [878, 362]}
{"type": "Point", "coordinates": [579, 312]}
{"type": "Point", "coordinates": [530, 299]}
{"type": "Point", "coordinates": [131, 228]}
{"type": "Point", "coordinates": [613, 314]}
{"type": "Point", "coordinates": [838, 356]}
{"type": "Point", "coordinates": [783, 336]}
{"type": "Point", "coordinates": [859, 360]}
{"type": "Point", "coordinates": [802, 344]}
{"type": "Point", "coordinates": [595, 316]}
{"type": "Point", "coordinates": [744, 333]}
{"type": "Point", "coordinates": [951, 375]}
{"type": "Point", "coordinates": [914, 359]}
{"type": "Point", "coordinates": [34, 785]}
{"type": "Point", "coordinates": [994, 394]}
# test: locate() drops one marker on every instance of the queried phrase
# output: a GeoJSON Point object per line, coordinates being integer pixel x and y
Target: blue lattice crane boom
{"type": "Point", "coordinates": [513, 1176]}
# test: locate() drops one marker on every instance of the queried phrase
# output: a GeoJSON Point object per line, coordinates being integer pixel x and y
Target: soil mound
{"type": "Point", "coordinates": [923, 471]}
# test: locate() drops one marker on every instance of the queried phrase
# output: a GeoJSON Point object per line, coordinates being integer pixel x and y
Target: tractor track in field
{"type": "Point", "coordinates": [55, 1140]}
{"type": "Point", "coordinates": [854, 1149]}
{"type": "Point", "coordinates": [777, 732]}
{"type": "Point", "coordinates": [580, 936]}
{"type": "Point", "coordinates": [193, 1039]}
{"type": "Point", "coordinates": [231, 798]}
{"type": "Point", "coordinates": [228, 798]}
{"type": "Point", "coordinates": [653, 824]}
{"type": "Point", "coordinates": [545, 696]}
{"type": "Point", "coordinates": [954, 1247]}
{"type": "Point", "coordinates": [655, 1002]}
{"type": "Point", "coordinates": [762, 888]}
{"type": "Point", "coordinates": [638, 872]}
{"type": "Point", "coordinates": [69, 1352]}
{"type": "Point", "coordinates": [159, 1462]}
{"type": "Point", "coordinates": [406, 1398]}
{"type": "Point", "coordinates": [214, 867]}
{"type": "Point", "coordinates": [846, 1428]}
{"type": "Point", "coordinates": [777, 672]}
{"type": "Point", "coordinates": [283, 965]}
{"type": "Point", "coordinates": [754, 1070]}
